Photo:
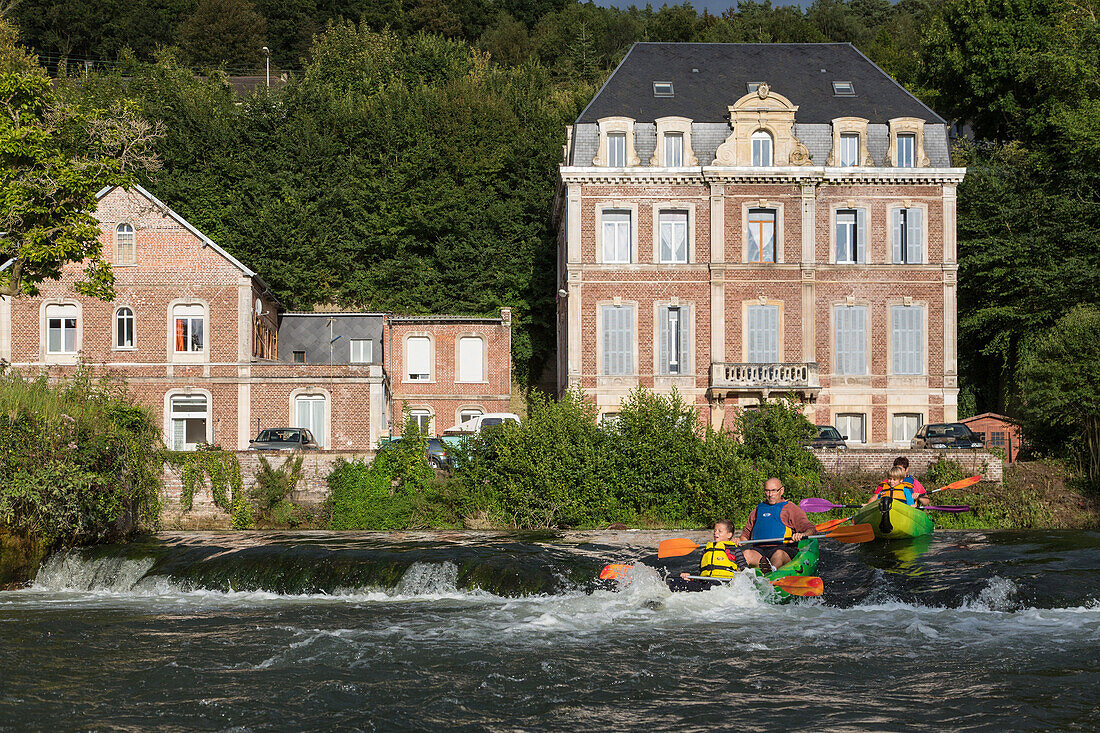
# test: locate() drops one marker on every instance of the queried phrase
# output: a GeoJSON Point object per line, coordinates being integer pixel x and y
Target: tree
{"type": "Point", "coordinates": [223, 32]}
{"type": "Point", "coordinates": [1060, 382]}
{"type": "Point", "coordinates": [54, 157]}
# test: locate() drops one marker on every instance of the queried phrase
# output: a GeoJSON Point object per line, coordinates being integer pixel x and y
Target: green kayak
{"type": "Point", "coordinates": [892, 519]}
{"type": "Point", "coordinates": [803, 563]}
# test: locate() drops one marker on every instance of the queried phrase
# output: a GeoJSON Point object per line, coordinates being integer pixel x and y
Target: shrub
{"type": "Point", "coordinates": [362, 496]}
{"type": "Point", "coordinates": [773, 439]}
{"type": "Point", "coordinates": [273, 486]}
{"type": "Point", "coordinates": [942, 472]}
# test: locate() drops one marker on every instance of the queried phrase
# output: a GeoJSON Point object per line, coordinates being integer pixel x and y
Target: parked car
{"type": "Point", "coordinates": [474, 425]}
{"type": "Point", "coordinates": [436, 453]}
{"type": "Point", "coordinates": [284, 439]}
{"type": "Point", "coordinates": [946, 435]}
{"type": "Point", "coordinates": [828, 437]}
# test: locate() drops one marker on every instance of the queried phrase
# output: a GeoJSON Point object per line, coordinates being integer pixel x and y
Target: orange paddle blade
{"type": "Point", "coordinates": [614, 570]}
{"type": "Point", "coordinates": [960, 484]}
{"type": "Point", "coordinates": [855, 533]}
{"type": "Point", "coordinates": [676, 548]}
{"type": "Point", "coordinates": [831, 524]}
{"type": "Point", "coordinates": [800, 585]}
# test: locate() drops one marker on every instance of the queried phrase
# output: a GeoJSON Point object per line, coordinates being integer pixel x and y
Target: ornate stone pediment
{"type": "Point", "coordinates": [768, 111]}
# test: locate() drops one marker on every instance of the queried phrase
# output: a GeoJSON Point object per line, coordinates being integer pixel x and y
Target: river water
{"type": "Point", "coordinates": [490, 631]}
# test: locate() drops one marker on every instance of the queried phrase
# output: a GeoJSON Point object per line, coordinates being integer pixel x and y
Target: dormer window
{"type": "Point", "coordinates": [906, 153]}
{"type": "Point", "coordinates": [616, 149]}
{"type": "Point", "coordinates": [674, 149]}
{"type": "Point", "coordinates": [843, 89]}
{"type": "Point", "coordinates": [761, 149]}
{"type": "Point", "coordinates": [849, 149]}
{"type": "Point", "coordinates": [662, 89]}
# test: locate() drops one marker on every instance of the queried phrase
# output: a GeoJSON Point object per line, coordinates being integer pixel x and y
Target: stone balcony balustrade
{"type": "Point", "coordinates": [765, 378]}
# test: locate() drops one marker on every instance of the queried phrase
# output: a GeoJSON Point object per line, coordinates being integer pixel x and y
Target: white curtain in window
{"type": "Point", "coordinates": [471, 366]}
{"type": "Point", "coordinates": [616, 236]}
{"type": "Point", "coordinates": [674, 244]}
{"type": "Point", "coordinates": [310, 414]}
{"type": "Point", "coordinates": [906, 148]}
{"type": "Point", "coordinates": [853, 426]}
{"type": "Point", "coordinates": [763, 334]}
{"type": "Point", "coordinates": [905, 426]}
{"type": "Point", "coordinates": [423, 420]}
{"type": "Point", "coordinates": [907, 330]}
{"type": "Point", "coordinates": [361, 351]}
{"type": "Point", "coordinates": [674, 149]}
{"type": "Point", "coordinates": [616, 149]}
{"type": "Point", "coordinates": [419, 357]}
{"type": "Point", "coordinates": [761, 149]}
{"type": "Point", "coordinates": [673, 342]}
{"type": "Point", "coordinates": [618, 339]}
{"type": "Point", "coordinates": [850, 323]}
{"type": "Point", "coordinates": [761, 235]}
{"type": "Point", "coordinates": [849, 149]}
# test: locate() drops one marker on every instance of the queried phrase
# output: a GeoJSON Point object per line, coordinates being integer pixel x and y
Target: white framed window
{"type": "Point", "coordinates": [125, 248]}
{"type": "Point", "coordinates": [850, 325]}
{"type": "Point", "coordinates": [471, 359]}
{"type": "Point", "coordinates": [762, 331]}
{"type": "Point", "coordinates": [616, 149]}
{"type": "Point", "coordinates": [62, 322]}
{"type": "Point", "coordinates": [674, 149]}
{"type": "Point", "coordinates": [617, 247]}
{"type": "Point", "coordinates": [849, 149]}
{"type": "Point", "coordinates": [674, 339]}
{"type": "Point", "coordinates": [851, 233]}
{"type": "Point", "coordinates": [674, 237]}
{"type": "Point", "coordinates": [907, 334]}
{"type": "Point", "coordinates": [469, 414]}
{"type": "Point", "coordinates": [189, 329]}
{"type": "Point", "coordinates": [907, 236]}
{"type": "Point", "coordinates": [418, 358]}
{"type": "Point", "coordinates": [423, 420]}
{"type": "Point", "coordinates": [189, 420]}
{"type": "Point", "coordinates": [761, 235]}
{"type": "Point", "coordinates": [761, 149]}
{"type": "Point", "coordinates": [904, 425]}
{"type": "Point", "coordinates": [362, 351]}
{"type": "Point", "coordinates": [609, 418]}
{"type": "Point", "coordinates": [124, 328]}
{"type": "Point", "coordinates": [906, 152]}
{"type": "Point", "coordinates": [309, 413]}
{"type": "Point", "coordinates": [853, 425]}
{"type": "Point", "coordinates": [617, 322]}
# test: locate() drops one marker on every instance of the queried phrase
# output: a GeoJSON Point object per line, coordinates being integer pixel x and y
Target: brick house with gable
{"type": "Point", "coordinates": [742, 220]}
{"type": "Point", "coordinates": [198, 337]}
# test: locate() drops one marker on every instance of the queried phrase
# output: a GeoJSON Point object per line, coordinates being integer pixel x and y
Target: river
{"type": "Point", "coordinates": [494, 631]}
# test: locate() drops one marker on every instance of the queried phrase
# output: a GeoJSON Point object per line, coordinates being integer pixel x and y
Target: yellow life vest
{"type": "Point", "coordinates": [716, 563]}
{"type": "Point", "coordinates": [903, 491]}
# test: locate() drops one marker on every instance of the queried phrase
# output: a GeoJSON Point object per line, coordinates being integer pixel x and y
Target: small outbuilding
{"type": "Point", "coordinates": [999, 430]}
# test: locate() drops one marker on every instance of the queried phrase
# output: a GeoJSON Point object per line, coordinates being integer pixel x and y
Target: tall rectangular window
{"type": "Point", "coordinates": [125, 250]}
{"type": "Point", "coordinates": [61, 324]}
{"type": "Point", "coordinates": [362, 351]}
{"type": "Point", "coordinates": [761, 149]}
{"type": "Point", "coordinates": [124, 328]}
{"type": "Point", "coordinates": [618, 339]}
{"type": "Point", "coordinates": [674, 149]}
{"type": "Point", "coordinates": [846, 220]}
{"type": "Point", "coordinates": [761, 235]}
{"type": "Point", "coordinates": [674, 236]}
{"type": "Point", "coordinates": [189, 417]}
{"type": "Point", "coordinates": [762, 331]}
{"type": "Point", "coordinates": [904, 425]}
{"type": "Point", "coordinates": [418, 358]}
{"type": "Point", "coordinates": [310, 414]}
{"type": "Point", "coordinates": [673, 347]}
{"type": "Point", "coordinates": [907, 239]}
{"type": "Point", "coordinates": [850, 326]}
{"type": "Point", "coordinates": [849, 149]}
{"type": "Point", "coordinates": [853, 425]}
{"type": "Point", "coordinates": [907, 333]}
{"type": "Point", "coordinates": [423, 420]}
{"type": "Point", "coordinates": [616, 236]}
{"type": "Point", "coordinates": [190, 333]}
{"type": "Point", "coordinates": [471, 361]}
{"type": "Point", "coordinates": [907, 145]}
{"type": "Point", "coordinates": [616, 149]}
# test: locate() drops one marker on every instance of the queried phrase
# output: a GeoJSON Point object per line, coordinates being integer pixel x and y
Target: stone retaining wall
{"type": "Point", "coordinates": [838, 460]}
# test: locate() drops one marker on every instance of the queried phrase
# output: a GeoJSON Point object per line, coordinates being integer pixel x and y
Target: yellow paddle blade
{"type": "Point", "coordinates": [800, 585]}
{"type": "Point", "coordinates": [676, 548]}
{"type": "Point", "coordinates": [614, 570]}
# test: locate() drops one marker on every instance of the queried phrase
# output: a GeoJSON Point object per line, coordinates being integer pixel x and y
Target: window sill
{"type": "Point", "coordinates": [124, 348]}
{"type": "Point", "coordinates": [479, 381]}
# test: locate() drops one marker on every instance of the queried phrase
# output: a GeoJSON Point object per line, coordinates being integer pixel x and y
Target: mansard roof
{"type": "Point", "coordinates": [708, 77]}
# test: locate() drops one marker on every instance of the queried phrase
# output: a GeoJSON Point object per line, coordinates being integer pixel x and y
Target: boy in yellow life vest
{"type": "Point", "coordinates": [897, 487]}
{"type": "Point", "coordinates": [715, 562]}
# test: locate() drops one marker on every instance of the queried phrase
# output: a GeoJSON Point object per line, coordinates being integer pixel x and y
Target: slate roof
{"type": "Point", "coordinates": [802, 72]}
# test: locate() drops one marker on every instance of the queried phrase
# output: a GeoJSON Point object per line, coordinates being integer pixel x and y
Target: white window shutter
{"type": "Point", "coordinates": [685, 348]}
{"type": "Point", "coordinates": [471, 367]}
{"type": "Point", "coordinates": [861, 235]}
{"type": "Point", "coordinates": [771, 333]}
{"type": "Point", "coordinates": [895, 229]}
{"type": "Point", "coordinates": [914, 236]}
{"type": "Point", "coordinates": [662, 339]}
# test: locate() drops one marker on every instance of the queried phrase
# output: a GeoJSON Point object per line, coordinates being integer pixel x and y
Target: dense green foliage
{"type": "Point", "coordinates": [218, 470]}
{"type": "Point", "coordinates": [79, 462]}
{"type": "Point", "coordinates": [271, 490]}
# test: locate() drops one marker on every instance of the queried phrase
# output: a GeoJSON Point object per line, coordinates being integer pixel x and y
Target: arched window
{"type": "Point", "coordinates": [761, 149]}
{"type": "Point", "coordinates": [125, 249]}
{"type": "Point", "coordinates": [62, 321]}
{"type": "Point", "coordinates": [189, 421]}
{"type": "Point", "coordinates": [124, 328]}
{"type": "Point", "coordinates": [309, 413]}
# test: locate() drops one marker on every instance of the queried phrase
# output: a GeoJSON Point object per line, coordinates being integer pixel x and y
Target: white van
{"type": "Point", "coordinates": [474, 425]}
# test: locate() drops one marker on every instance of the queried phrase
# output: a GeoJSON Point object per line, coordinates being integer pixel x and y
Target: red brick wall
{"type": "Point", "coordinates": [989, 424]}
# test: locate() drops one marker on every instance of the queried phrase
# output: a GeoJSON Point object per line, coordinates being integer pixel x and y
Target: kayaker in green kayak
{"type": "Point", "coordinates": [716, 562]}
{"type": "Point", "coordinates": [898, 486]}
{"type": "Point", "coordinates": [775, 517]}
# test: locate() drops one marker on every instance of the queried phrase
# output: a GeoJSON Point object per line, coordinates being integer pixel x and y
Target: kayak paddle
{"type": "Point", "coordinates": [830, 525]}
{"type": "Point", "coordinates": [955, 508]}
{"type": "Point", "coordinates": [823, 505]}
{"type": "Point", "coordinates": [960, 484]}
{"type": "Point", "coordinates": [614, 570]}
{"type": "Point", "coordinates": [796, 585]}
{"type": "Point", "coordinates": [681, 546]}
{"type": "Point", "coordinates": [834, 523]}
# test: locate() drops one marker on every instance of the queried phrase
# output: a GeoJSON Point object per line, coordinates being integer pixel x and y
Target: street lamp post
{"type": "Point", "coordinates": [267, 64]}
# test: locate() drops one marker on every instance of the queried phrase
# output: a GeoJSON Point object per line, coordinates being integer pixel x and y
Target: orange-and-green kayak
{"type": "Point", "coordinates": [803, 563]}
{"type": "Point", "coordinates": [892, 519]}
